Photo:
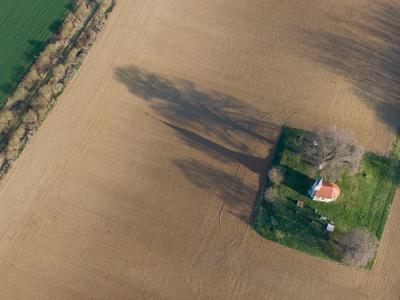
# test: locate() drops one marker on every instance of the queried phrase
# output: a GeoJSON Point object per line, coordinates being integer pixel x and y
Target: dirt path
{"type": "Point", "coordinates": [140, 183]}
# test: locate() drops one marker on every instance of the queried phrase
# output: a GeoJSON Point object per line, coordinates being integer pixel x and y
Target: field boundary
{"type": "Point", "coordinates": [20, 117]}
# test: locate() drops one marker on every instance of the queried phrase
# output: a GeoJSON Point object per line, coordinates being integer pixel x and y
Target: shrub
{"type": "Point", "coordinates": [276, 175]}
{"type": "Point", "coordinates": [106, 4]}
{"type": "Point", "coordinates": [32, 77]}
{"type": "Point", "coordinates": [81, 11]}
{"type": "Point", "coordinates": [30, 117]}
{"type": "Point", "coordinates": [19, 94]}
{"type": "Point", "coordinates": [66, 30]}
{"type": "Point", "coordinates": [271, 195]}
{"type": "Point", "coordinates": [15, 144]}
{"type": "Point", "coordinates": [72, 55]}
{"type": "Point", "coordinates": [58, 73]}
{"type": "Point", "coordinates": [6, 119]}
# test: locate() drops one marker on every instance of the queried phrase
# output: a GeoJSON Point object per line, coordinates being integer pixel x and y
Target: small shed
{"type": "Point", "coordinates": [330, 227]}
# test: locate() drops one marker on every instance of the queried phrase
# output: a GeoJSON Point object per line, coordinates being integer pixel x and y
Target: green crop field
{"type": "Point", "coordinates": [25, 28]}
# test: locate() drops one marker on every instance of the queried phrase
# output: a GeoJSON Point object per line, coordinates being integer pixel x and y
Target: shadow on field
{"type": "Point", "coordinates": [366, 50]}
{"type": "Point", "coordinates": [237, 195]}
{"type": "Point", "coordinates": [216, 114]}
{"type": "Point", "coordinates": [216, 124]}
{"type": "Point", "coordinates": [18, 72]}
{"type": "Point", "coordinates": [55, 26]}
{"type": "Point", "coordinates": [219, 152]}
{"type": "Point", "coordinates": [36, 47]}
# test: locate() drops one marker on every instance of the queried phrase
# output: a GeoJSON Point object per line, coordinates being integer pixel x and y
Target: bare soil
{"type": "Point", "coordinates": [141, 182]}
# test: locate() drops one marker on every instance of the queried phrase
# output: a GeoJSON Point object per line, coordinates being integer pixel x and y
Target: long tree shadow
{"type": "Point", "coordinates": [366, 51]}
{"type": "Point", "coordinates": [222, 116]}
{"type": "Point", "coordinates": [217, 124]}
{"type": "Point", "coordinates": [238, 196]}
{"type": "Point", "coordinates": [255, 164]}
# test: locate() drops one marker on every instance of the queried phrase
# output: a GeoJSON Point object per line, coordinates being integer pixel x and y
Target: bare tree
{"type": "Point", "coordinates": [333, 150]}
{"type": "Point", "coordinates": [271, 195]}
{"type": "Point", "coordinates": [276, 175]}
{"type": "Point", "coordinates": [358, 247]}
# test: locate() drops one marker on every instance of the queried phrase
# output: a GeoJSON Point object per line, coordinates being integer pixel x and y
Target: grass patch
{"type": "Point", "coordinates": [365, 201]}
{"type": "Point", "coordinates": [25, 28]}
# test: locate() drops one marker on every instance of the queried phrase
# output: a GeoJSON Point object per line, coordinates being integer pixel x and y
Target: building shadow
{"type": "Point", "coordinates": [297, 181]}
{"type": "Point", "coordinates": [366, 51]}
{"type": "Point", "coordinates": [214, 123]}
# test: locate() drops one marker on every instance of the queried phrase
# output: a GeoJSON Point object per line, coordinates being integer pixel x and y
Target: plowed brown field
{"type": "Point", "coordinates": [141, 182]}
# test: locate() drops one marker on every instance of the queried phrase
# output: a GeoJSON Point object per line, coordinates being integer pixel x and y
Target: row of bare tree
{"type": "Point", "coordinates": [36, 94]}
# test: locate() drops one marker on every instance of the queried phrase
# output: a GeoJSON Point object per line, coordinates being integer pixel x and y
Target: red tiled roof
{"type": "Point", "coordinates": [328, 190]}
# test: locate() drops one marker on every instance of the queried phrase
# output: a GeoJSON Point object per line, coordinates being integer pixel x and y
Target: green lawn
{"type": "Point", "coordinates": [364, 202]}
{"type": "Point", "coordinates": [25, 28]}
